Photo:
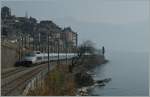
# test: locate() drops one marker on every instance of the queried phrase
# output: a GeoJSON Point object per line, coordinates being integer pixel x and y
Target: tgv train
{"type": "Point", "coordinates": [36, 57]}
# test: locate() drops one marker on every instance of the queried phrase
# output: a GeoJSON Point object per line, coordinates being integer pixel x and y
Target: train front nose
{"type": "Point", "coordinates": [27, 61]}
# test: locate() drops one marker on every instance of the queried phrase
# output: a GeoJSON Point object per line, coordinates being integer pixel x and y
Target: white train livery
{"type": "Point", "coordinates": [36, 57]}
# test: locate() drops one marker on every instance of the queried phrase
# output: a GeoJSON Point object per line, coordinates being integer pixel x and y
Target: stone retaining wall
{"type": "Point", "coordinates": [8, 57]}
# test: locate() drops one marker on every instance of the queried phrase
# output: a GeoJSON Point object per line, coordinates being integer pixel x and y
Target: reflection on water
{"type": "Point", "coordinates": [129, 73]}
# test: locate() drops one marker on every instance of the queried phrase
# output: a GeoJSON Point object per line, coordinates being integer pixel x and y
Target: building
{"type": "Point", "coordinates": [5, 12]}
{"type": "Point", "coordinates": [7, 23]}
{"type": "Point", "coordinates": [35, 35]}
{"type": "Point", "coordinates": [70, 37]}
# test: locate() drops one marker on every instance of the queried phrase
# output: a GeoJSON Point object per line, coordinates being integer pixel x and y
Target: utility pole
{"type": "Point", "coordinates": [33, 44]}
{"type": "Point", "coordinates": [48, 54]}
{"type": "Point", "coordinates": [25, 44]}
{"type": "Point", "coordinates": [22, 40]}
{"type": "Point", "coordinates": [66, 49]}
{"type": "Point", "coordinates": [19, 40]}
{"type": "Point", "coordinates": [76, 40]}
{"type": "Point", "coordinates": [19, 48]}
{"type": "Point", "coordinates": [29, 40]}
{"type": "Point", "coordinates": [58, 51]}
{"type": "Point", "coordinates": [39, 41]}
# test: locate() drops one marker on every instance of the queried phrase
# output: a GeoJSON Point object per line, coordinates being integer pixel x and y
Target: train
{"type": "Point", "coordinates": [37, 57]}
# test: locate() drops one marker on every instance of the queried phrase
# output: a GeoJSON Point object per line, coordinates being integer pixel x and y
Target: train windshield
{"type": "Point", "coordinates": [30, 54]}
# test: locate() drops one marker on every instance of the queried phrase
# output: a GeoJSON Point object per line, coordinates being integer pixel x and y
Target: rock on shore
{"type": "Point", "coordinates": [83, 78]}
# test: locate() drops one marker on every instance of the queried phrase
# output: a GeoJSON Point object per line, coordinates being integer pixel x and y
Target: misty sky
{"type": "Point", "coordinates": [116, 24]}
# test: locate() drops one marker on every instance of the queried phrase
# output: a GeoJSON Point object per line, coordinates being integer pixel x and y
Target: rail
{"type": "Point", "coordinates": [14, 85]}
{"type": "Point", "coordinates": [21, 80]}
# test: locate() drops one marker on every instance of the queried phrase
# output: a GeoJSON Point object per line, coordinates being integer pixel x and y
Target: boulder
{"type": "Point", "coordinates": [83, 79]}
{"type": "Point", "coordinates": [102, 81]}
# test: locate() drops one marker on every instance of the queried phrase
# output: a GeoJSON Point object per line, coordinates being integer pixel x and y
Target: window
{"type": "Point", "coordinates": [30, 54]}
{"type": "Point", "coordinates": [39, 58]}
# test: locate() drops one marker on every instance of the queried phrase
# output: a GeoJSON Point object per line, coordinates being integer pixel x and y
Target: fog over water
{"type": "Point", "coordinates": [121, 26]}
{"type": "Point", "coordinates": [129, 74]}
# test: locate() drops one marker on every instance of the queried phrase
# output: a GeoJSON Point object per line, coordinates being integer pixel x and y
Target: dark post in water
{"type": "Point", "coordinates": [103, 50]}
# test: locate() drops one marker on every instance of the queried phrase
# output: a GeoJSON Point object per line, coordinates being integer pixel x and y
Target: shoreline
{"type": "Point", "coordinates": [62, 82]}
{"type": "Point", "coordinates": [83, 75]}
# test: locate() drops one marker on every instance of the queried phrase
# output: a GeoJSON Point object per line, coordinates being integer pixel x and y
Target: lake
{"type": "Point", "coordinates": [129, 74]}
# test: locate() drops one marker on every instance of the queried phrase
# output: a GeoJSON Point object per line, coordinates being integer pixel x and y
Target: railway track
{"type": "Point", "coordinates": [12, 86]}
{"type": "Point", "coordinates": [12, 72]}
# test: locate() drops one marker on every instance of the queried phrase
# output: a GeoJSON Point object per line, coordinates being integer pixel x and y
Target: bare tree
{"type": "Point", "coordinates": [85, 47]}
{"type": "Point", "coordinates": [89, 47]}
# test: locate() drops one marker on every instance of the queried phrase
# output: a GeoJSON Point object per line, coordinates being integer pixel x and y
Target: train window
{"type": "Point", "coordinates": [39, 58]}
{"type": "Point", "coordinates": [30, 54]}
{"type": "Point", "coordinates": [45, 57]}
{"type": "Point", "coordinates": [38, 52]}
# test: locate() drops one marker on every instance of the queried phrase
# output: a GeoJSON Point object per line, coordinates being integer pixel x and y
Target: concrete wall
{"type": "Point", "coordinates": [8, 57]}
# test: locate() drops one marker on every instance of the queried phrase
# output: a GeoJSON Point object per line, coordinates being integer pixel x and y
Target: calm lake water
{"type": "Point", "coordinates": [129, 74]}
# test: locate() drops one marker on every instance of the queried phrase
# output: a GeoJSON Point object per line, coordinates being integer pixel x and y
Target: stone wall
{"type": "Point", "coordinates": [8, 57]}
